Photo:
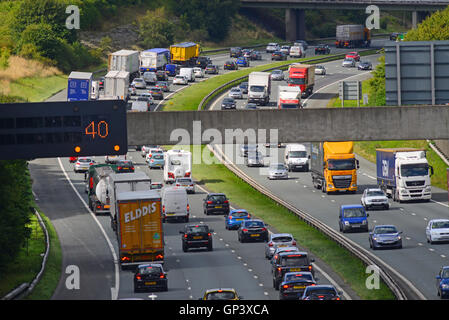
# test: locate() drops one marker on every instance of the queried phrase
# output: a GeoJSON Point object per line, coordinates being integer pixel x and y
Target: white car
{"type": "Point", "coordinates": [255, 159]}
{"type": "Point", "coordinates": [320, 70]}
{"type": "Point", "coordinates": [348, 62]}
{"type": "Point", "coordinates": [180, 80]}
{"type": "Point", "coordinates": [272, 47]}
{"type": "Point", "coordinates": [285, 49]}
{"type": "Point", "coordinates": [374, 198]}
{"type": "Point", "coordinates": [83, 164]}
{"type": "Point", "coordinates": [186, 183]}
{"type": "Point", "coordinates": [437, 230]}
{"type": "Point", "coordinates": [236, 93]}
{"type": "Point", "coordinates": [139, 83]}
{"type": "Point", "coordinates": [277, 171]}
{"type": "Point", "coordinates": [199, 73]}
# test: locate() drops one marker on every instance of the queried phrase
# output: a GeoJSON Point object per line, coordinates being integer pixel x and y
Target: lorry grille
{"type": "Point", "coordinates": [341, 182]}
{"type": "Point", "coordinates": [414, 183]}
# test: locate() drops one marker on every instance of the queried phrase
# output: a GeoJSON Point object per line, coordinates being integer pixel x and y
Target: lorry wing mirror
{"type": "Point", "coordinates": [308, 156]}
{"type": "Point", "coordinates": [431, 170]}
{"type": "Point", "coordinates": [357, 163]}
{"type": "Point", "coordinates": [181, 232]}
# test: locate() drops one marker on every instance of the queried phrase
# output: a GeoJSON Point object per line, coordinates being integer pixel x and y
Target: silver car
{"type": "Point", "coordinates": [278, 240]}
{"type": "Point", "coordinates": [374, 198]}
{"type": "Point", "coordinates": [246, 149]}
{"type": "Point", "coordinates": [186, 183]}
{"type": "Point", "coordinates": [83, 164]}
{"type": "Point", "coordinates": [277, 171]}
{"type": "Point", "coordinates": [236, 93]}
{"type": "Point", "coordinates": [255, 159]}
{"type": "Point", "coordinates": [139, 83]}
{"type": "Point", "coordinates": [277, 75]}
{"type": "Point", "coordinates": [348, 62]}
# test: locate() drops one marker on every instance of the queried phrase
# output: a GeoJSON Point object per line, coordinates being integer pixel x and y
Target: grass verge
{"type": "Point", "coordinates": [217, 178]}
{"type": "Point", "coordinates": [28, 263]}
{"type": "Point", "coordinates": [367, 149]}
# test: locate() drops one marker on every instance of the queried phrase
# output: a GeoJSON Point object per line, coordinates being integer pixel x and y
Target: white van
{"type": "Point", "coordinates": [175, 204]}
{"type": "Point", "coordinates": [95, 93]}
{"type": "Point", "coordinates": [297, 52]}
{"type": "Point", "coordinates": [295, 157]}
{"type": "Point", "coordinates": [188, 73]}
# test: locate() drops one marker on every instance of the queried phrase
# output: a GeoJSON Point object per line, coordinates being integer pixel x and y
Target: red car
{"type": "Point", "coordinates": [73, 159]}
{"type": "Point", "coordinates": [353, 55]}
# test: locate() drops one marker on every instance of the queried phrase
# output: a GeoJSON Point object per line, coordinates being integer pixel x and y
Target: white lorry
{"type": "Point", "coordinates": [289, 97]}
{"type": "Point", "coordinates": [259, 87]}
{"type": "Point", "coordinates": [295, 157]}
{"type": "Point", "coordinates": [404, 173]}
{"type": "Point", "coordinates": [178, 164]}
{"type": "Point", "coordinates": [175, 204]}
{"type": "Point", "coordinates": [116, 85]}
{"type": "Point", "coordinates": [125, 60]}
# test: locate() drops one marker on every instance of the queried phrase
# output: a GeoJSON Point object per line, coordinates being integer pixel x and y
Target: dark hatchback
{"type": "Point", "coordinates": [228, 103]}
{"type": "Point", "coordinates": [125, 166]}
{"type": "Point", "coordinates": [365, 65]}
{"type": "Point", "coordinates": [216, 203]}
{"type": "Point", "coordinates": [253, 230]}
{"type": "Point", "coordinates": [322, 49]}
{"type": "Point", "coordinates": [230, 65]}
{"type": "Point", "coordinates": [203, 62]}
{"type": "Point", "coordinates": [290, 262]}
{"type": "Point", "coordinates": [211, 69]}
{"type": "Point", "coordinates": [157, 93]}
{"type": "Point", "coordinates": [294, 284]}
{"type": "Point", "coordinates": [235, 52]}
{"type": "Point", "coordinates": [150, 277]}
{"type": "Point", "coordinates": [278, 55]}
{"type": "Point", "coordinates": [321, 292]}
{"type": "Point", "coordinates": [196, 236]}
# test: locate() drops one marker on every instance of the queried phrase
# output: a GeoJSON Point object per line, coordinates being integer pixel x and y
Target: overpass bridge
{"type": "Point", "coordinates": [295, 9]}
{"type": "Point", "coordinates": [288, 126]}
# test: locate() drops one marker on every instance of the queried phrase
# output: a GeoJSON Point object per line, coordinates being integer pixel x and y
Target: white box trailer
{"type": "Point", "coordinates": [116, 84]}
{"type": "Point", "coordinates": [178, 164]}
{"type": "Point", "coordinates": [125, 60]}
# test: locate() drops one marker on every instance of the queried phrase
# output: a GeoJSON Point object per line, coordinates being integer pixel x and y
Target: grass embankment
{"type": "Point", "coordinates": [367, 149]}
{"type": "Point", "coordinates": [217, 178]}
{"type": "Point", "coordinates": [28, 263]}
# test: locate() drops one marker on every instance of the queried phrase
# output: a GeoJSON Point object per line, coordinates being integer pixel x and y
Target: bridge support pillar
{"type": "Point", "coordinates": [295, 24]}
{"type": "Point", "coordinates": [417, 17]}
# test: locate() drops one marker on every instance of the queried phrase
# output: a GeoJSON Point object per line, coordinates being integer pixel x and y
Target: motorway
{"type": "Point", "coordinates": [89, 243]}
{"type": "Point", "coordinates": [418, 261]}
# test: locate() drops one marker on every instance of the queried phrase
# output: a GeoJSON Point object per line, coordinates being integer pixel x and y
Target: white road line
{"type": "Point", "coordinates": [114, 290]}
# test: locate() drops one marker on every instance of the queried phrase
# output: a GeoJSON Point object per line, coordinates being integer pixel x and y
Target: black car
{"type": "Point", "coordinates": [203, 62]}
{"type": "Point", "coordinates": [216, 203]}
{"type": "Point", "coordinates": [196, 236]}
{"type": "Point", "coordinates": [244, 87]}
{"type": "Point", "coordinates": [365, 65]}
{"type": "Point", "coordinates": [294, 284]}
{"type": "Point", "coordinates": [157, 93]}
{"type": "Point", "coordinates": [150, 276]}
{"type": "Point", "coordinates": [253, 230]}
{"type": "Point", "coordinates": [302, 43]}
{"type": "Point", "coordinates": [211, 69]}
{"type": "Point", "coordinates": [278, 55]}
{"type": "Point", "coordinates": [125, 166]}
{"type": "Point", "coordinates": [322, 49]}
{"type": "Point", "coordinates": [290, 262]}
{"type": "Point", "coordinates": [230, 65]}
{"type": "Point", "coordinates": [228, 103]}
{"type": "Point", "coordinates": [161, 75]}
{"type": "Point", "coordinates": [256, 55]}
{"type": "Point", "coordinates": [235, 52]}
{"type": "Point", "coordinates": [321, 292]}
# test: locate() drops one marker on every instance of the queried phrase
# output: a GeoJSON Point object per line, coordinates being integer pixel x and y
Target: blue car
{"type": "Point", "coordinates": [156, 161]}
{"type": "Point", "coordinates": [235, 218]}
{"type": "Point", "coordinates": [353, 217]}
{"type": "Point", "coordinates": [242, 62]}
{"type": "Point", "coordinates": [443, 282]}
{"type": "Point", "coordinates": [385, 236]}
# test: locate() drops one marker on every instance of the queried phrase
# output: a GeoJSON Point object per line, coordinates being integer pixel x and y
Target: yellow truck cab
{"type": "Point", "coordinates": [333, 166]}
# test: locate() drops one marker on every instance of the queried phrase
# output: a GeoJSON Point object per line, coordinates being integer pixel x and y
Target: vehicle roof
{"type": "Point", "coordinates": [149, 265]}
{"type": "Point", "coordinates": [439, 220]}
{"type": "Point", "coordinates": [350, 206]}
{"type": "Point", "coordinates": [216, 193]}
{"type": "Point", "coordinates": [303, 253]}
{"type": "Point", "coordinates": [273, 235]}
{"type": "Point", "coordinates": [222, 289]}
{"type": "Point", "coordinates": [321, 286]}
{"type": "Point", "coordinates": [385, 225]}
{"type": "Point", "coordinates": [133, 195]}
{"type": "Point", "coordinates": [237, 210]}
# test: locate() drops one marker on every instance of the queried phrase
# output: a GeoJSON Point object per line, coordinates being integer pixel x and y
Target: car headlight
{"type": "Point", "coordinates": [364, 222]}
{"type": "Point", "coordinates": [346, 223]}
{"type": "Point", "coordinates": [445, 286]}
{"type": "Point", "coordinates": [375, 238]}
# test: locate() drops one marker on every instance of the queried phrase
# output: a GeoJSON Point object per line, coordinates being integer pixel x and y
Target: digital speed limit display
{"type": "Point", "coordinates": [62, 129]}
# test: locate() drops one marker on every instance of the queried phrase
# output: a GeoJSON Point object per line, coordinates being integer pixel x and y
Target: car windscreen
{"type": "Point", "coordinates": [228, 100]}
{"type": "Point", "coordinates": [320, 291]}
{"type": "Point", "coordinates": [343, 164]}
{"type": "Point", "coordinates": [277, 167]}
{"type": "Point", "coordinates": [198, 229]}
{"type": "Point", "coordinates": [297, 154]}
{"type": "Point", "coordinates": [217, 198]}
{"type": "Point", "coordinates": [375, 194]}
{"type": "Point", "coordinates": [224, 295]}
{"type": "Point", "coordinates": [385, 230]}
{"type": "Point", "coordinates": [353, 212]}
{"type": "Point", "coordinates": [413, 170]}
{"type": "Point", "coordinates": [282, 239]}
{"type": "Point", "coordinates": [440, 225]}
{"type": "Point", "coordinates": [150, 270]}
{"type": "Point", "coordinates": [294, 260]}
{"type": "Point", "coordinates": [84, 160]}
{"type": "Point", "coordinates": [255, 224]}
{"type": "Point", "coordinates": [239, 214]}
